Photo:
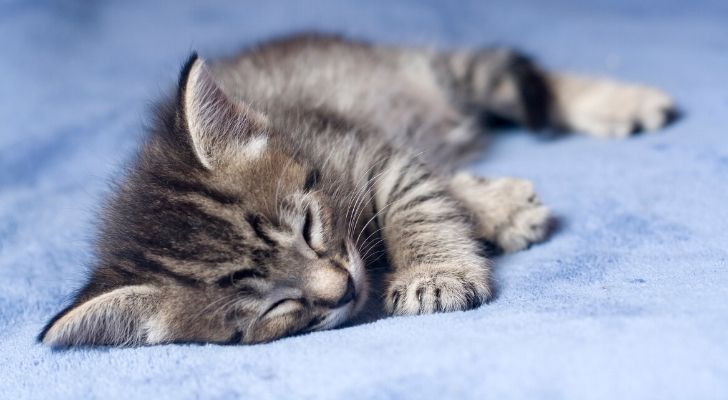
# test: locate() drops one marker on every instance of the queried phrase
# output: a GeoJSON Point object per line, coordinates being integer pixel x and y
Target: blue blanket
{"type": "Point", "coordinates": [628, 299]}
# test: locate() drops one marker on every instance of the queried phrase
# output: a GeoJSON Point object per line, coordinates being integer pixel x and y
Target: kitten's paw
{"type": "Point", "coordinates": [507, 210]}
{"type": "Point", "coordinates": [437, 288]}
{"type": "Point", "coordinates": [608, 108]}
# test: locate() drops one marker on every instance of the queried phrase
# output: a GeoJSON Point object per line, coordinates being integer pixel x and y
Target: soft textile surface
{"type": "Point", "coordinates": [628, 299]}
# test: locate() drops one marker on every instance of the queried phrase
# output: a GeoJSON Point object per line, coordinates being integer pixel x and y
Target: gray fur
{"type": "Point", "coordinates": [276, 184]}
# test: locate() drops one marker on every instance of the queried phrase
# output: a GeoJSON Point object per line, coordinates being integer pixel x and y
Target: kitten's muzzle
{"type": "Point", "coordinates": [349, 295]}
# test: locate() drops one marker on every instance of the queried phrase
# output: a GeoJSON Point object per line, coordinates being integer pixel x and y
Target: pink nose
{"type": "Point", "coordinates": [330, 286]}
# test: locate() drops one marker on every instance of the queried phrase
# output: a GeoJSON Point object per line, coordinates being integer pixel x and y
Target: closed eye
{"type": "Point", "coordinates": [307, 227]}
{"type": "Point", "coordinates": [282, 306]}
{"type": "Point", "coordinates": [313, 229]}
{"type": "Point", "coordinates": [232, 279]}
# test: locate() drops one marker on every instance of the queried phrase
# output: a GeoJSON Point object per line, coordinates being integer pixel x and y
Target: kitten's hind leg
{"type": "Point", "coordinates": [506, 210]}
{"type": "Point", "coordinates": [509, 85]}
{"type": "Point", "coordinates": [608, 108]}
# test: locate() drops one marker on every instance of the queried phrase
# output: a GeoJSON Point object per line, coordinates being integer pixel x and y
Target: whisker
{"type": "Point", "coordinates": [375, 180]}
{"type": "Point", "coordinates": [213, 303]}
{"type": "Point", "coordinates": [359, 190]}
{"type": "Point", "coordinates": [360, 207]}
{"type": "Point", "coordinates": [372, 250]}
{"type": "Point", "coordinates": [371, 219]}
{"type": "Point", "coordinates": [374, 256]}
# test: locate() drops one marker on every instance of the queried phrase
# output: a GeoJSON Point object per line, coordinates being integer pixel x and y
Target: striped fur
{"type": "Point", "coordinates": [282, 190]}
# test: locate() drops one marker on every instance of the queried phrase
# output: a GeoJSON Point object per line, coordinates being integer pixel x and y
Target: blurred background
{"type": "Point", "coordinates": [627, 300]}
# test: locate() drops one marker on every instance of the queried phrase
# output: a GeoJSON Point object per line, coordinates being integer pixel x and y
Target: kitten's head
{"type": "Point", "coordinates": [221, 232]}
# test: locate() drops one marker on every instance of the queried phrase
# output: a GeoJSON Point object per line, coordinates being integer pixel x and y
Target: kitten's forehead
{"type": "Point", "coordinates": [267, 174]}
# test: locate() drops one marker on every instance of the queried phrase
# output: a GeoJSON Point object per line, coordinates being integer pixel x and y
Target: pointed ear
{"type": "Point", "coordinates": [220, 129]}
{"type": "Point", "coordinates": [125, 316]}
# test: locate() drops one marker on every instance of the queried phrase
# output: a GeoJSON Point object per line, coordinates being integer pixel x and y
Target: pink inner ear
{"type": "Point", "coordinates": [217, 125]}
{"type": "Point", "coordinates": [204, 105]}
{"type": "Point", "coordinates": [124, 316]}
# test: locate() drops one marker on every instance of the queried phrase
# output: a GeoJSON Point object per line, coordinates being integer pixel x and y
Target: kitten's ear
{"type": "Point", "coordinates": [126, 316]}
{"type": "Point", "coordinates": [220, 130]}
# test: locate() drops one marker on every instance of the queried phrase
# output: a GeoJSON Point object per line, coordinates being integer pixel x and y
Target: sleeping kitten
{"type": "Point", "coordinates": [272, 183]}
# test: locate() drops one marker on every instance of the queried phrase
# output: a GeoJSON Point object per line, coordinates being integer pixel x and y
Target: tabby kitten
{"type": "Point", "coordinates": [272, 182]}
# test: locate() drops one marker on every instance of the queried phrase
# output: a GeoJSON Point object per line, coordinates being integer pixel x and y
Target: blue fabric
{"type": "Point", "coordinates": [629, 299]}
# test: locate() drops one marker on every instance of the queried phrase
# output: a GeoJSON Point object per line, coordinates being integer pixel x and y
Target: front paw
{"type": "Point", "coordinates": [437, 288]}
{"type": "Point", "coordinates": [508, 212]}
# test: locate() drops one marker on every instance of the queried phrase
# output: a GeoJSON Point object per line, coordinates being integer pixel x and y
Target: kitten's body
{"type": "Point", "coordinates": [274, 179]}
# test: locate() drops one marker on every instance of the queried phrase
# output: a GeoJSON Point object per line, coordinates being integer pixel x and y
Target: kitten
{"type": "Point", "coordinates": [272, 182]}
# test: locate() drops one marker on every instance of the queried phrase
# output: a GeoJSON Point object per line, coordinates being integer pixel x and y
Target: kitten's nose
{"type": "Point", "coordinates": [349, 295]}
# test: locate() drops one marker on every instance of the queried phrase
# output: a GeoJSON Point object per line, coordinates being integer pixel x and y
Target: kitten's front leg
{"type": "Point", "coordinates": [507, 211]}
{"type": "Point", "coordinates": [430, 240]}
